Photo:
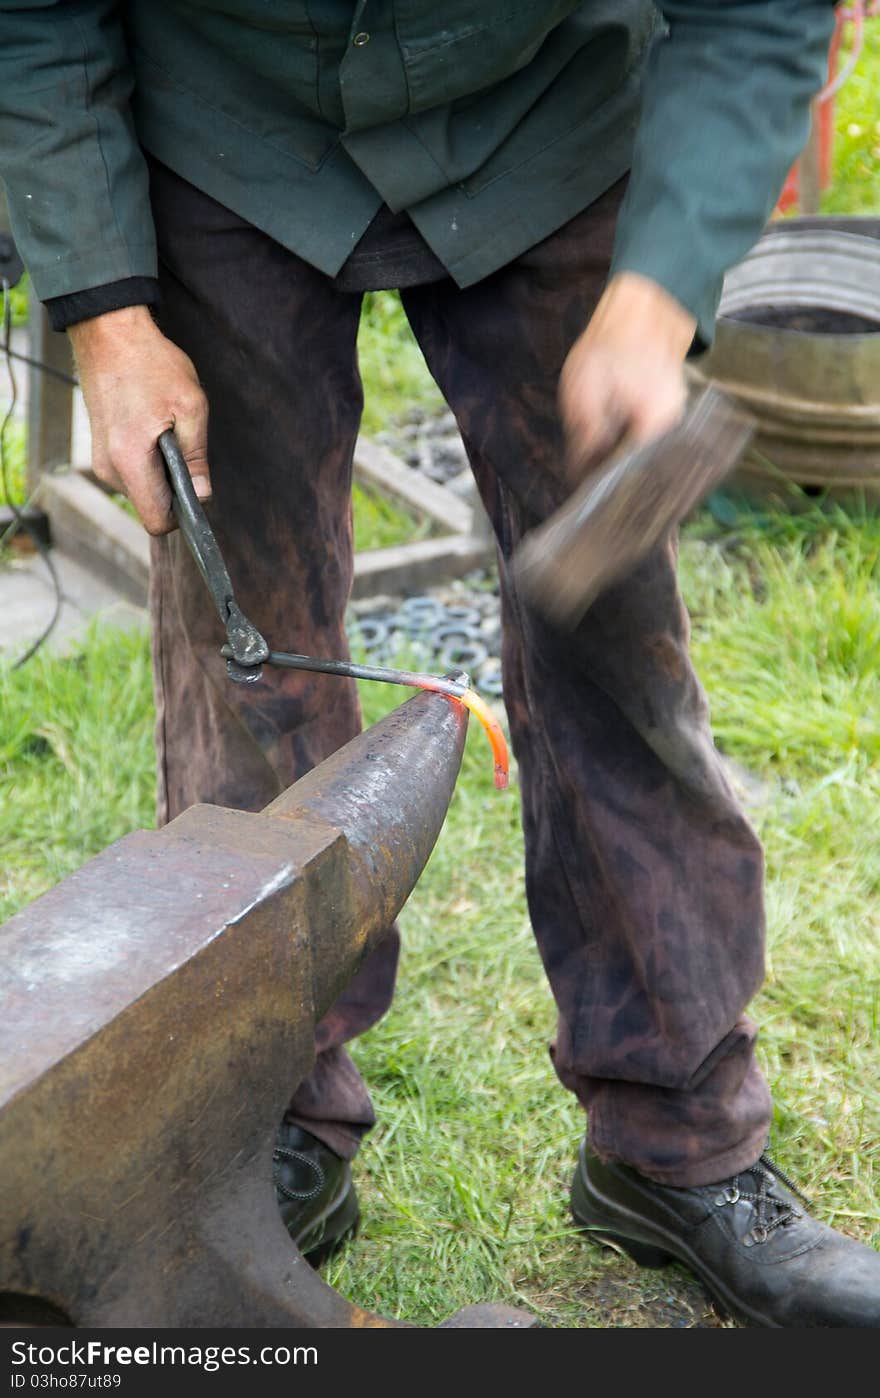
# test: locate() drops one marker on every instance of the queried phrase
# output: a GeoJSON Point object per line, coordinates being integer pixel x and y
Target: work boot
{"type": "Point", "coordinates": [747, 1238]}
{"type": "Point", "coordinates": [315, 1193]}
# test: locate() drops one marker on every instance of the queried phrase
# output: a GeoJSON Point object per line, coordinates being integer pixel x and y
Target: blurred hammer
{"type": "Point", "coordinates": [622, 510]}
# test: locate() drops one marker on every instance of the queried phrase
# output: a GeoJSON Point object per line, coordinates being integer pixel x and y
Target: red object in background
{"type": "Point", "coordinates": [790, 192]}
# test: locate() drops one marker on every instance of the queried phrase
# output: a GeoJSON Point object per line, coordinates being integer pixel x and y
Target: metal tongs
{"type": "Point", "coordinates": [246, 650]}
{"type": "Point", "coordinates": [246, 647]}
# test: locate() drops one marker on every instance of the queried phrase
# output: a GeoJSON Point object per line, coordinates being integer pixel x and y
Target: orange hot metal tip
{"type": "Point", "coordinates": [471, 700]}
{"type": "Point", "coordinates": [492, 727]}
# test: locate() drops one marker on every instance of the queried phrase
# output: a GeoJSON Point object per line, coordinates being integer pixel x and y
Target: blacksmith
{"type": "Point", "coordinates": [202, 192]}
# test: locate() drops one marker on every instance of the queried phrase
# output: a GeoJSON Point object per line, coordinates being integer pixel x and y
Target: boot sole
{"type": "Point", "coordinates": [650, 1245]}
{"type": "Point", "coordinates": [331, 1228]}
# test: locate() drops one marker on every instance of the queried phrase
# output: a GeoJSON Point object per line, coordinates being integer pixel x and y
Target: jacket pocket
{"type": "Point", "coordinates": [469, 48]}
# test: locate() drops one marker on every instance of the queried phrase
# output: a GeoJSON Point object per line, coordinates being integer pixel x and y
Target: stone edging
{"type": "Point", "coordinates": [88, 525]}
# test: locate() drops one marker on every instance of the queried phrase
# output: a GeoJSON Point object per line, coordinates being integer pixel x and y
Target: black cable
{"type": "Point", "coordinates": [20, 520]}
{"type": "Point", "coordinates": [44, 368]}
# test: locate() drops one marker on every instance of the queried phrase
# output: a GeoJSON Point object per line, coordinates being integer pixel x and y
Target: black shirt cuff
{"type": "Point", "coordinates": [64, 311]}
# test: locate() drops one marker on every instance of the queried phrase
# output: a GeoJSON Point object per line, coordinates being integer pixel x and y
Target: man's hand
{"type": "Point", "coordinates": [136, 384]}
{"type": "Point", "coordinates": [625, 376]}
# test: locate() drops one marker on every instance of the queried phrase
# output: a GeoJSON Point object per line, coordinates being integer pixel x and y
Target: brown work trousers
{"type": "Point", "coordinates": [644, 878]}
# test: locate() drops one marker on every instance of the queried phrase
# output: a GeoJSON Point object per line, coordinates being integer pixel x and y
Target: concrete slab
{"type": "Point", "coordinates": [377, 466]}
{"type": "Point", "coordinates": [91, 527]}
{"type": "Point", "coordinates": [27, 599]}
{"type": "Point", "coordinates": [410, 568]}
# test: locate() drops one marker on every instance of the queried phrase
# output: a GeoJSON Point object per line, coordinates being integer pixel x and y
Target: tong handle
{"type": "Point", "coordinates": [247, 645]}
{"type": "Point", "coordinates": [194, 525]}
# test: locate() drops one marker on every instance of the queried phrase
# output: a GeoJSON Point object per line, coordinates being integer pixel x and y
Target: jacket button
{"type": "Point", "coordinates": [360, 39]}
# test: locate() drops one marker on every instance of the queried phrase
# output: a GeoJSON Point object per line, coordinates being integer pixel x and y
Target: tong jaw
{"type": "Point", "coordinates": [248, 647]}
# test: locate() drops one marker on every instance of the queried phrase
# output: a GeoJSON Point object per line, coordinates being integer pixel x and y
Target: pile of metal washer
{"type": "Point", "coordinates": [458, 627]}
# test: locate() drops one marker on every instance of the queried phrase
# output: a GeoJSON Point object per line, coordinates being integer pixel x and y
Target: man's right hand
{"type": "Point", "coordinates": [136, 384]}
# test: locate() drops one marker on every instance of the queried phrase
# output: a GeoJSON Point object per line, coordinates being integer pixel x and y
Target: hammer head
{"type": "Point", "coordinates": [622, 510]}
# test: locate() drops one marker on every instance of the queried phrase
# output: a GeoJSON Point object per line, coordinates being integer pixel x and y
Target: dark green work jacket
{"type": "Point", "coordinates": [491, 121]}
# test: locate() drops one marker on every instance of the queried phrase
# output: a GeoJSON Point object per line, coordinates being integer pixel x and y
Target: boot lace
{"type": "Point", "coordinates": [771, 1212]}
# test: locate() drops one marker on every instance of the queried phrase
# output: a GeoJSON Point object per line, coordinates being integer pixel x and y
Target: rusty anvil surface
{"type": "Point", "coordinates": [158, 1009]}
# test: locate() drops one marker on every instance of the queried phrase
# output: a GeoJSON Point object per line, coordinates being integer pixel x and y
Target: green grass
{"type": "Point", "coordinates": [18, 300]}
{"type": "Point", "coordinates": [787, 633]}
{"type": "Point", "coordinates": [76, 764]}
{"type": "Point", "coordinates": [464, 1180]}
{"type": "Point", "coordinates": [394, 372]}
{"type": "Point", "coordinates": [467, 1172]}
{"type": "Point", "coordinates": [14, 443]}
{"type": "Point", "coordinates": [382, 523]}
{"type": "Point", "coordinates": [855, 188]}
{"type": "Point", "coordinates": [15, 433]}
